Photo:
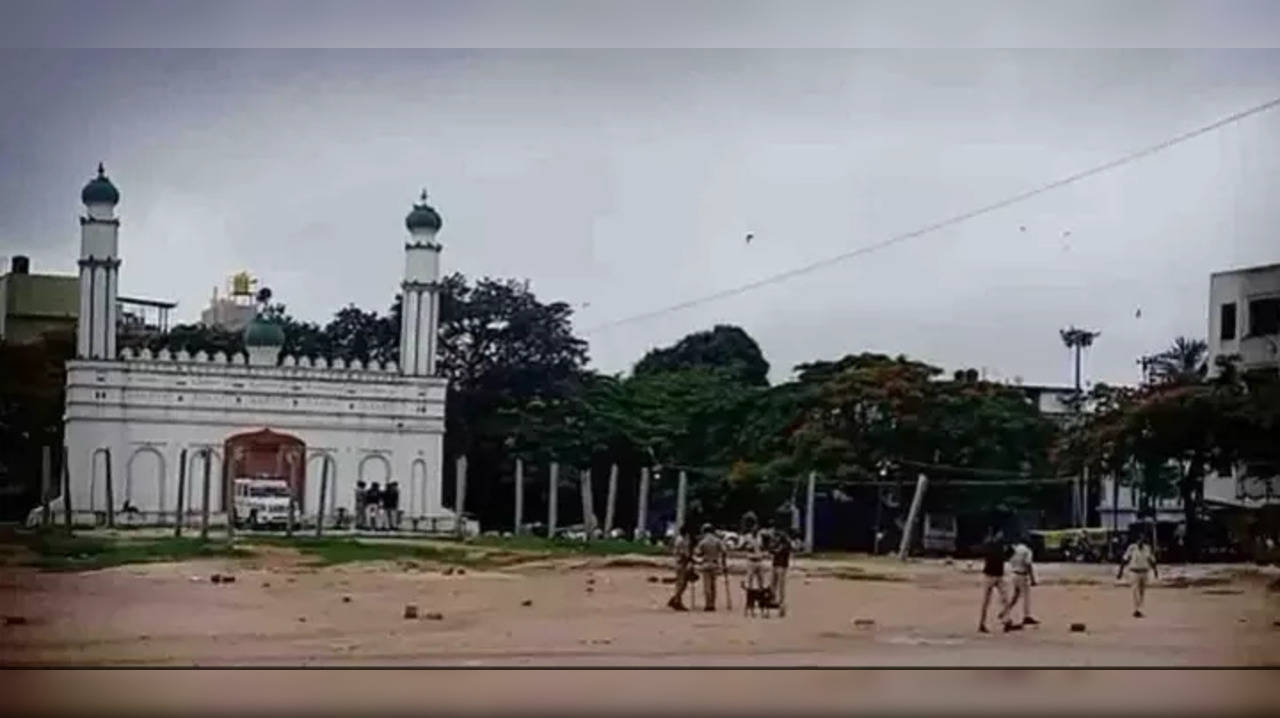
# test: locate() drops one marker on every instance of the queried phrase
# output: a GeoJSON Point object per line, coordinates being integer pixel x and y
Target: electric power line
{"type": "Point", "coordinates": [956, 219]}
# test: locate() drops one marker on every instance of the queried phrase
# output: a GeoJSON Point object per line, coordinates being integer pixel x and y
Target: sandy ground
{"type": "Point", "coordinates": [282, 613]}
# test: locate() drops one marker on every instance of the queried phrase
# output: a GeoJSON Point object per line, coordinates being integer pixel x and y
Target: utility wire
{"type": "Point", "coordinates": [956, 219]}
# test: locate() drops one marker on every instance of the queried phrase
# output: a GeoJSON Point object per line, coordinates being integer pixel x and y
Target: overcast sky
{"type": "Point", "coordinates": [623, 181]}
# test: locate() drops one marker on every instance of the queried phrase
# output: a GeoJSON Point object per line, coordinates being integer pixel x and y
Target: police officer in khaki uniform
{"type": "Point", "coordinates": [710, 556]}
{"type": "Point", "coordinates": [1024, 577]}
{"type": "Point", "coordinates": [1140, 560]}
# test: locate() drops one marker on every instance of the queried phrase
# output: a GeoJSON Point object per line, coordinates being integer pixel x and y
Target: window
{"type": "Point", "coordinates": [1227, 331]}
{"type": "Point", "coordinates": [1264, 316]}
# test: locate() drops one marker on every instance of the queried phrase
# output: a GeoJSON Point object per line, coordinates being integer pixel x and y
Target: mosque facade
{"type": "Point", "coordinates": [133, 415]}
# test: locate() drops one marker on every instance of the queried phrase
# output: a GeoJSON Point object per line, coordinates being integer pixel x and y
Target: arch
{"type": "Point", "coordinates": [142, 488]}
{"type": "Point", "coordinates": [262, 453]}
{"type": "Point", "coordinates": [418, 486]}
{"type": "Point", "coordinates": [98, 479]}
{"type": "Point", "coordinates": [368, 475]}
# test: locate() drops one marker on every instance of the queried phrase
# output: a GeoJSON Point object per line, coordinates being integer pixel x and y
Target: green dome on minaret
{"type": "Point", "coordinates": [423, 216]}
{"type": "Point", "coordinates": [100, 190]}
{"type": "Point", "coordinates": [263, 333]}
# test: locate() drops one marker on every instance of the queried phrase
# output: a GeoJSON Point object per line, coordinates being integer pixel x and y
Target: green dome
{"type": "Point", "coordinates": [100, 190]}
{"type": "Point", "coordinates": [423, 216]}
{"type": "Point", "coordinates": [262, 333]}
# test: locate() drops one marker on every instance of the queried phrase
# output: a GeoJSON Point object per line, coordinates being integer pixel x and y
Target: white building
{"type": "Point", "coordinates": [234, 311]}
{"type": "Point", "coordinates": [130, 417]}
{"type": "Point", "coordinates": [1244, 321]}
{"type": "Point", "coordinates": [1244, 317]}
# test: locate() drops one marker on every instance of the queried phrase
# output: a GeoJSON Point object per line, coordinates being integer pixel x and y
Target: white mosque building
{"type": "Point", "coordinates": [131, 417]}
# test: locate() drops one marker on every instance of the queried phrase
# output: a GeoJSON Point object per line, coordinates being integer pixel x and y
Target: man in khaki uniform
{"type": "Point", "coordinates": [1024, 577]}
{"type": "Point", "coordinates": [753, 546]}
{"type": "Point", "coordinates": [710, 554]}
{"type": "Point", "coordinates": [1140, 560]}
{"type": "Point", "coordinates": [683, 550]}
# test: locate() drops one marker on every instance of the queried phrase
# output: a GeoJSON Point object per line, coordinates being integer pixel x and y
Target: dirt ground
{"type": "Point", "coordinates": [607, 612]}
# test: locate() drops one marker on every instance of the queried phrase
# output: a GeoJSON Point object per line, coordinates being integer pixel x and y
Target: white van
{"type": "Point", "coordinates": [259, 502]}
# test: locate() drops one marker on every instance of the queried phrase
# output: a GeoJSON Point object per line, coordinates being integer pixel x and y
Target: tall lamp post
{"type": "Point", "coordinates": [1077, 340]}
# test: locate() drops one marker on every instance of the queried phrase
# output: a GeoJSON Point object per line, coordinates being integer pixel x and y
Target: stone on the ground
{"type": "Point", "coordinates": [462, 571]}
{"type": "Point", "coordinates": [434, 616]}
{"type": "Point", "coordinates": [448, 571]}
{"type": "Point", "coordinates": [591, 582]}
{"type": "Point", "coordinates": [668, 579]}
{"type": "Point", "coordinates": [15, 620]}
{"type": "Point", "coordinates": [266, 584]}
{"type": "Point", "coordinates": [216, 578]}
{"type": "Point", "coordinates": [302, 619]}
{"type": "Point", "coordinates": [590, 590]}
{"type": "Point", "coordinates": [410, 611]}
{"type": "Point", "coordinates": [346, 599]}
{"type": "Point", "coordinates": [228, 579]}
{"type": "Point", "coordinates": [526, 602]}
{"type": "Point", "coordinates": [864, 622]}
{"type": "Point", "coordinates": [1077, 628]}
{"type": "Point", "coordinates": [653, 579]}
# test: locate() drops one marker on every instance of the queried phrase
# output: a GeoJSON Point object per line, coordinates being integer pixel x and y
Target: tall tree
{"type": "Point", "coordinates": [1182, 363]}
{"type": "Point", "coordinates": [724, 347]}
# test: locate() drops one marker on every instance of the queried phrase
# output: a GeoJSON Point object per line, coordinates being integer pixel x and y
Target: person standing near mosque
{"type": "Point", "coordinates": [361, 504]}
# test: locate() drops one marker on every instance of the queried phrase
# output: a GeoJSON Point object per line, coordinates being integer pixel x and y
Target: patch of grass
{"type": "Point", "coordinates": [57, 551]}
{"type": "Point", "coordinates": [564, 547]}
{"type": "Point", "coordinates": [333, 551]}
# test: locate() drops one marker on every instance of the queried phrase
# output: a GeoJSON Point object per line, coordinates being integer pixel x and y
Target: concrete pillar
{"type": "Point", "coordinates": [808, 512]}
{"type": "Point", "coordinates": [588, 503]}
{"type": "Point", "coordinates": [913, 515]}
{"type": "Point", "coordinates": [611, 500]}
{"type": "Point", "coordinates": [681, 492]}
{"type": "Point", "coordinates": [460, 493]}
{"type": "Point", "coordinates": [642, 504]}
{"type": "Point", "coordinates": [552, 497]}
{"type": "Point", "coordinates": [519, 517]}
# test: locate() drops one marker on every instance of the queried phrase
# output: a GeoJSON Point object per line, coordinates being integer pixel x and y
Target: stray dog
{"type": "Point", "coordinates": [758, 599]}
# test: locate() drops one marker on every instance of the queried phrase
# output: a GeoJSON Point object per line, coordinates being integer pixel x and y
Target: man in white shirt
{"type": "Point", "coordinates": [1140, 560]}
{"type": "Point", "coordinates": [1024, 577]}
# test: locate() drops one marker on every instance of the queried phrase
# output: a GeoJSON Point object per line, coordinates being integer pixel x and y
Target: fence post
{"type": "Point", "coordinates": [204, 504]}
{"type": "Point", "coordinates": [324, 489]}
{"type": "Point", "coordinates": [111, 494]}
{"type": "Point", "coordinates": [552, 498]}
{"type": "Point", "coordinates": [460, 495]}
{"type": "Point", "coordinates": [808, 512]}
{"type": "Point", "coordinates": [46, 483]}
{"type": "Point", "coordinates": [519, 496]}
{"type": "Point", "coordinates": [682, 489]}
{"type": "Point", "coordinates": [913, 515]}
{"type": "Point", "coordinates": [182, 495]}
{"type": "Point", "coordinates": [66, 489]}
{"type": "Point", "coordinates": [611, 500]}
{"type": "Point", "coordinates": [588, 504]}
{"type": "Point", "coordinates": [642, 504]}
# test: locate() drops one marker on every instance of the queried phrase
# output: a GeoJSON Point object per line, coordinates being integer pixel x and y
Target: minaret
{"type": "Point", "coordinates": [420, 302]}
{"type": "Point", "coordinates": [99, 269]}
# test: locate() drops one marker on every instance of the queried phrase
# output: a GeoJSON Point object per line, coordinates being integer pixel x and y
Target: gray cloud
{"type": "Point", "coordinates": [628, 179]}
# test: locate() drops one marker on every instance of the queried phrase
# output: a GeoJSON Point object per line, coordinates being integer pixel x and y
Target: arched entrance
{"type": "Point", "coordinates": [265, 453]}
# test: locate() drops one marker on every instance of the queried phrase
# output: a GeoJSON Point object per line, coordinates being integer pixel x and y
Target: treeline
{"type": "Point", "coordinates": [519, 387]}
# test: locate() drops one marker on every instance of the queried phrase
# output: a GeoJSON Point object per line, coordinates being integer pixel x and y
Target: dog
{"type": "Point", "coordinates": [758, 599]}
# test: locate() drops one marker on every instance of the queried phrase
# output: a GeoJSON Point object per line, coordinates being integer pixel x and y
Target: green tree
{"type": "Point", "coordinates": [725, 347]}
